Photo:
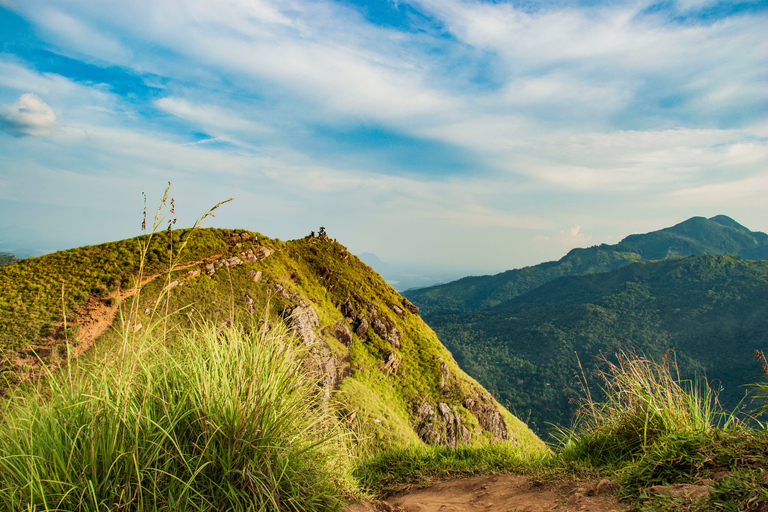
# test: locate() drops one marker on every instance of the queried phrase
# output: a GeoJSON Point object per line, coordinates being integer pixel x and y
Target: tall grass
{"type": "Point", "coordinates": [644, 401]}
{"type": "Point", "coordinates": [217, 421]}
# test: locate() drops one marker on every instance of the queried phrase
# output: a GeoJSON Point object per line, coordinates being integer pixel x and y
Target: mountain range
{"type": "Point", "coordinates": [689, 293]}
{"type": "Point", "coordinates": [695, 236]}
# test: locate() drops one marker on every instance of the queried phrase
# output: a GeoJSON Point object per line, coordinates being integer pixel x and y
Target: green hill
{"type": "Point", "coordinates": [7, 258]}
{"type": "Point", "coordinates": [711, 310]}
{"type": "Point", "coordinates": [373, 357]}
{"type": "Point", "coordinates": [696, 236]}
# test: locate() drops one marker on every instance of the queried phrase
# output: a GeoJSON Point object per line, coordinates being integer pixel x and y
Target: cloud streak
{"type": "Point", "coordinates": [463, 115]}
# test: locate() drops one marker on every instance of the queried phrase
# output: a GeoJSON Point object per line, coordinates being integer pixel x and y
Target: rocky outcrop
{"type": "Point", "coordinates": [455, 432]}
{"type": "Point", "coordinates": [362, 329]}
{"type": "Point", "coordinates": [249, 304]}
{"type": "Point", "coordinates": [425, 424]}
{"type": "Point", "coordinates": [488, 415]}
{"type": "Point", "coordinates": [391, 363]}
{"type": "Point", "coordinates": [262, 252]}
{"type": "Point", "coordinates": [379, 328]}
{"type": "Point", "coordinates": [321, 363]}
{"type": "Point", "coordinates": [301, 319]}
{"type": "Point", "coordinates": [444, 375]}
{"type": "Point", "coordinates": [342, 333]}
{"type": "Point", "coordinates": [410, 307]}
{"type": "Point", "coordinates": [446, 429]}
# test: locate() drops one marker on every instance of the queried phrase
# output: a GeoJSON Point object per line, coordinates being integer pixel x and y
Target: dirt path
{"type": "Point", "coordinates": [501, 493]}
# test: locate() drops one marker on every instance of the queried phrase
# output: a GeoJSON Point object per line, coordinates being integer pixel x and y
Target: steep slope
{"type": "Point", "coordinates": [374, 359]}
{"type": "Point", "coordinates": [696, 236]}
{"type": "Point", "coordinates": [711, 310]}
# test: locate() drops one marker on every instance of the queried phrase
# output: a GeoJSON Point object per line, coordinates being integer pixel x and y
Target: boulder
{"type": "Point", "coordinates": [362, 329]}
{"type": "Point", "coordinates": [342, 333]}
{"type": "Point", "coordinates": [379, 328]}
{"type": "Point", "coordinates": [391, 363]}
{"type": "Point", "coordinates": [262, 252]}
{"type": "Point", "coordinates": [301, 320]}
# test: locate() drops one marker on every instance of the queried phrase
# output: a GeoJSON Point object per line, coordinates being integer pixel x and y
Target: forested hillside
{"type": "Point", "coordinates": [696, 236]}
{"type": "Point", "coordinates": [7, 258]}
{"type": "Point", "coordinates": [711, 310]}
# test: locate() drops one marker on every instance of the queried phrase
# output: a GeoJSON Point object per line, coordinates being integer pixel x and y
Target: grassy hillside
{"type": "Point", "coordinates": [711, 310]}
{"type": "Point", "coordinates": [696, 236]}
{"type": "Point", "coordinates": [376, 361]}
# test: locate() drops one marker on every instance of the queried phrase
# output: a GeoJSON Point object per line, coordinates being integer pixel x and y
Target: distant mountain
{"type": "Point", "coordinates": [695, 236]}
{"type": "Point", "coordinates": [7, 258]}
{"type": "Point", "coordinates": [711, 310]}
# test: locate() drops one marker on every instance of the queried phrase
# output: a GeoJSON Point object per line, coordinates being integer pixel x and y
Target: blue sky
{"type": "Point", "coordinates": [454, 134]}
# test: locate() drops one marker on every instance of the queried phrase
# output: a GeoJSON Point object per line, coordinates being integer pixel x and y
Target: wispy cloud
{"type": "Point", "coordinates": [464, 117]}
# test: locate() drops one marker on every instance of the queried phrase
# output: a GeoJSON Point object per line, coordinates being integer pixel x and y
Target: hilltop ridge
{"type": "Point", "coordinates": [371, 353]}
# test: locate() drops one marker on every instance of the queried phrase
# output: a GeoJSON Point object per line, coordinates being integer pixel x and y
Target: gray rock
{"type": "Point", "coordinates": [348, 309]}
{"type": "Point", "coordinates": [342, 333]}
{"type": "Point", "coordinates": [249, 303]}
{"type": "Point", "coordinates": [248, 255]}
{"type": "Point", "coordinates": [399, 312]}
{"type": "Point", "coordinates": [210, 269]}
{"type": "Point", "coordinates": [391, 363]}
{"type": "Point", "coordinates": [394, 338]}
{"type": "Point", "coordinates": [444, 375]}
{"type": "Point", "coordinates": [301, 320]}
{"type": "Point", "coordinates": [379, 328]}
{"type": "Point", "coordinates": [262, 252]}
{"type": "Point", "coordinates": [362, 329]}
{"type": "Point", "coordinates": [425, 412]}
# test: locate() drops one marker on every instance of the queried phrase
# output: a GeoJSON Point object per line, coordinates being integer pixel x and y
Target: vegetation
{"type": "Point", "coordinates": [650, 431]}
{"type": "Point", "coordinates": [653, 429]}
{"type": "Point", "coordinates": [694, 237]}
{"type": "Point", "coordinates": [217, 421]}
{"type": "Point", "coordinates": [37, 292]}
{"type": "Point", "coordinates": [193, 400]}
{"type": "Point", "coordinates": [711, 310]}
{"type": "Point", "coordinates": [6, 258]}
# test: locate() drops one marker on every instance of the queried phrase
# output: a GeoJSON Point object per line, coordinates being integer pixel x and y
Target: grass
{"type": "Point", "coordinates": [188, 415]}
{"type": "Point", "coordinates": [218, 421]}
{"type": "Point", "coordinates": [417, 465]}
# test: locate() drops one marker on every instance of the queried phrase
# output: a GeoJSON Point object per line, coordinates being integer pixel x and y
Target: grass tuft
{"type": "Point", "coordinates": [218, 421]}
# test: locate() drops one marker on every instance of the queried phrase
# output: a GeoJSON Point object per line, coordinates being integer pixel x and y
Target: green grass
{"type": "Point", "coordinates": [217, 421]}
{"type": "Point", "coordinates": [414, 466]}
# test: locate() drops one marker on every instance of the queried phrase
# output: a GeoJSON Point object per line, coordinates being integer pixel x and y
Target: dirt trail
{"type": "Point", "coordinates": [501, 493]}
{"type": "Point", "coordinates": [92, 318]}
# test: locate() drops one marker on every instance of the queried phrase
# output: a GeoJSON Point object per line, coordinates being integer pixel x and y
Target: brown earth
{"type": "Point", "coordinates": [501, 493]}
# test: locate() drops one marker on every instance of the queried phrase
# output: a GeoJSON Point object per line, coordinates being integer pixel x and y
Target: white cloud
{"type": "Point", "coordinates": [28, 116]}
{"type": "Point", "coordinates": [573, 237]}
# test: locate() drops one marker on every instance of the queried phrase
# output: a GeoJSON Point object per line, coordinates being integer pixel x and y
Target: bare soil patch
{"type": "Point", "coordinates": [500, 493]}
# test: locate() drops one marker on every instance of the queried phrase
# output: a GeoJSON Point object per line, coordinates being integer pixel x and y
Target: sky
{"type": "Point", "coordinates": [456, 135]}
